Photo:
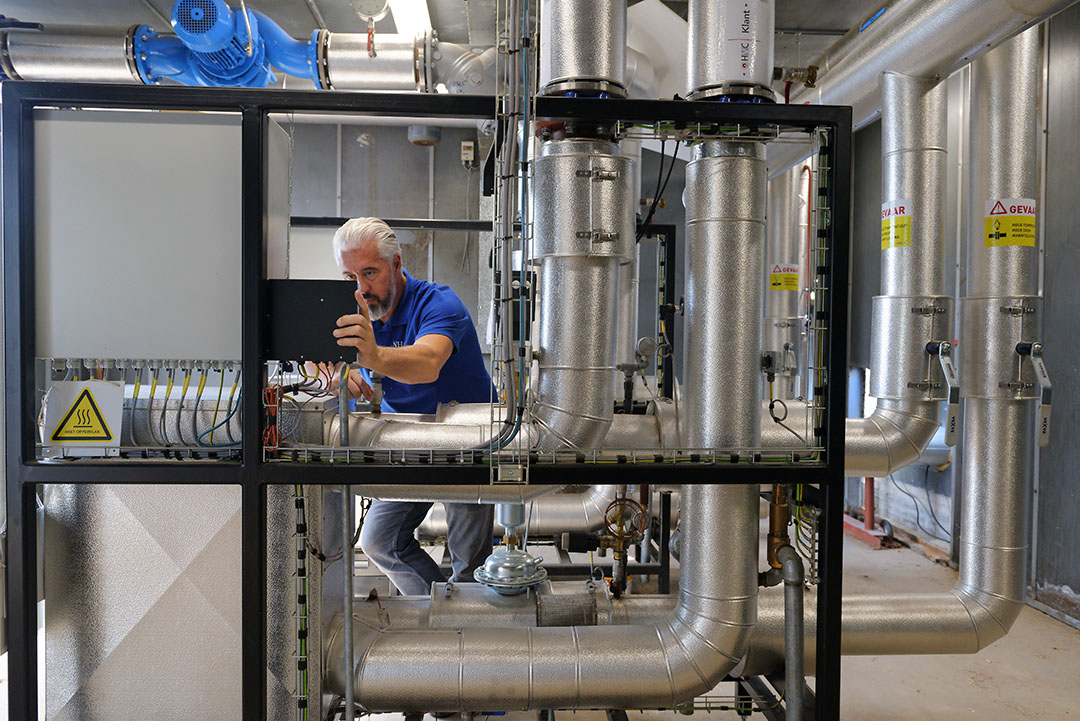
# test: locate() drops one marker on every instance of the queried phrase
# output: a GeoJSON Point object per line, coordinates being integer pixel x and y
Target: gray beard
{"type": "Point", "coordinates": [377, 312]}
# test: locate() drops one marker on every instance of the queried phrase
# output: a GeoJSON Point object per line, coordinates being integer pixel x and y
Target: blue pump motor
{"type": "Point", "coordinates": [218, 39]}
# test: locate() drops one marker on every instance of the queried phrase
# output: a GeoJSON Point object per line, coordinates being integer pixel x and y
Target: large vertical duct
{"type": "Point", "coordinates": [998, 428]}
{"type": "Point", "coordinates": [730, 49]}
{"type": "Point", "coordinates": [912, 309]}
{"type": "Point", "coordinates": [583, 47]}
{"type": "Point", "coordinates": [1000, 310]}
{"type": "Point", "coordinates": [725, 256]}
{"type": "Point", "coordinates": [583, 230]}
{"type": "Point", "coordinates": [626, 333]}
{"type": "Point", "coordinates": [785, 243]}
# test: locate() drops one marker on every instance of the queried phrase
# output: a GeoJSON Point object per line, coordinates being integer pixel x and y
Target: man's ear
{"type": "Point", "coordinates": [396, 265]}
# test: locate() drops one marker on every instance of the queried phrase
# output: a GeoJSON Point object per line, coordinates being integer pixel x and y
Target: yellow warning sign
{"type": "Point", "coordinates": [896, 224]}
{"type": "Point", "coordinates": [1009, 221]}
{"type": "Point", "coordinates": [784, 276]}
{"type": "Point", "coordinates": [83, 422]}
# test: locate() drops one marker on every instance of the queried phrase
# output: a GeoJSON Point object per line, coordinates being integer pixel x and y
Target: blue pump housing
{"type": "Point", "coordinates": [211, 48]}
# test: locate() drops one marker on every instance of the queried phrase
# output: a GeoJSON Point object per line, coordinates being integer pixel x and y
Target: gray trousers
{"type": "Point", "coordinates": [388, 541]}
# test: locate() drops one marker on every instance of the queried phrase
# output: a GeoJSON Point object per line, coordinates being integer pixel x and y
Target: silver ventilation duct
{"type": "Point", "coordinates": [517, 668]}
{"type": "Point", "coordinates": [998, 427]}
{"type": "Point", "coordinates": [730, 50]}
{"type": "Point", "coordinates": [400, 62]}
{"type": "Point", "coordinates": [70, 53]}
{"type": "Point", "coordinates": [923, 38]}
{"type": "Point", "coordinates": [912, 309]}
{"type": "Point", "coordinates": [584, 229]}
{"type": "Point", "coordinates": [785, 246]}
{"type": "Point", "coordinates": [584, 47]}
{"type": "Point", "coordinates": [553, 513]}
{"type": "Point", "coordinates": [725, 257]}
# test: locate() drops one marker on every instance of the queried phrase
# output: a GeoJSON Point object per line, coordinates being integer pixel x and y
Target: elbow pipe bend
{"type": "Point", "coordinates": [893, 437]}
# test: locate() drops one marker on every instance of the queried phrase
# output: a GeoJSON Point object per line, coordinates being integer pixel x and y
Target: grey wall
{"type": "Point", "coordinates": [383, 174]}
{"type": "Point", "coordinates": [1057, 536]}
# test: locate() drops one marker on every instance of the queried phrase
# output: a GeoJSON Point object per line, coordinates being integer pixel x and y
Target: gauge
{"type": "Point", "coordinates": [371, 10]}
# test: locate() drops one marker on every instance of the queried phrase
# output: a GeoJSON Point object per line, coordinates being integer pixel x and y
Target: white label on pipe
{"type": "Point", "coordinates": [746, 41]}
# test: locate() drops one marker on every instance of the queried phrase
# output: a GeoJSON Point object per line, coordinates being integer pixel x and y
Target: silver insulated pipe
{"type": "Point", "coordinates": [725, 256]}
{"type": "Point", "coordinates": [912, 309]}
{"type": "Point", "coordinates": [785, 245]}
{"type": "Point", "coordinates": [730, 49]}
{"type": "Point", "coordinates": [583, 230]}
{"type": "Point", "coordinates": [70, 53]}
{"type": "Point", "coordinates": [522, 668]}
{"type": "Point", "coordinates": [400, 62]}
{"type": "Point", "coordinates": [583, 47]}
{"type": "Point", "coordinates": [998, 428]}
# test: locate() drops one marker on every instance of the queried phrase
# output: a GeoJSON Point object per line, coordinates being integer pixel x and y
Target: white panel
{"type": "Point", "coordinates": [278, 208]}
{"type": "Point", "coordinates": [311, 254]}
{"type": "Point", "coordinates": [137, 234]}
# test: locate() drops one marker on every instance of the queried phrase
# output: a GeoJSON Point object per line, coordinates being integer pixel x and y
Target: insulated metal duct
{"type": "Point", "coordinates": [725, 256]}
{"type": "Point", "coordinates": [583, 47]}
{"type": "Point", "coordinates": [399, 62]}
{"type": "Point", "coordinates": [495, 669]}
{"type": "Point", "coordinates": [583, 230]}
{"type": "Point", "coordinates": [912, 309]}
{"type": "Point", "coordinates": [730, 50]}
{"type": "Point", "coordinates": [924, 38]}
{"type": "Point", "coordinates": [785, 245]}
{"type": "Point", "coordinates": [998, 427]}
{"type": "Point", "coordinates": [551, 514]}
{"type": "Point", "coordinates": [70, 53]}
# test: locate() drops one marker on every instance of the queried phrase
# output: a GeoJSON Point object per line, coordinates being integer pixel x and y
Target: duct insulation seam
{"type": "Point", "coordinates": [583, 231]}
{"type": "Point", "coordinates": [505, 669]}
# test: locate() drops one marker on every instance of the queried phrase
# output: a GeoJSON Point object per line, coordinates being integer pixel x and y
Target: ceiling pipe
{"type": "Point", "coordinates": [923, 38]}
{"type": "Point", "coordinates": [998, 423]}
{"type": "Point", "coordinates": [509, 669]}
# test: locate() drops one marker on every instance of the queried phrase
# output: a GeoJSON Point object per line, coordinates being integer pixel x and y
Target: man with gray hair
{"type": "Point", "coordinates": [421, 339]}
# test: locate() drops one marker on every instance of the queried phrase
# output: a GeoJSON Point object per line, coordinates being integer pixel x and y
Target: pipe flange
{"type": "Point", "coordinates": [322, 65]}
{"type": "Point", "coordinates": [585, 87]}
{"type": "Point", "coordinates": [129, 52]}
{"type": "Point", "coordinates": [6, 65]}
{"type": "Point", "coordinates": [735, 92]}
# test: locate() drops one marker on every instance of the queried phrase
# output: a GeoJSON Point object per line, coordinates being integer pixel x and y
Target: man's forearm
{"type": "Point", "coordinates": [409, 364]}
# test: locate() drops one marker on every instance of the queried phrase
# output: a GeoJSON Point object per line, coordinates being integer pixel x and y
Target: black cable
{"type": "Point", "coordinates": [660, 186]}
{"type": "Point", "coordinates": [930, 504]}
{"type": "Point", "coordinates": [918, 519]}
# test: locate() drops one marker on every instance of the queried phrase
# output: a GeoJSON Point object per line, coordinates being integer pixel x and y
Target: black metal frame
{"type": "Point", "coordinates": [25, 473]}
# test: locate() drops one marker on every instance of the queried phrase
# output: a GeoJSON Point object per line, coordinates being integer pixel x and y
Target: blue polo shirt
{"type": "Point", "coordinates": [426, 309]}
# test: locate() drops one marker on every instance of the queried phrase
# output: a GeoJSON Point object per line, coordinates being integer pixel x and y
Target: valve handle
{"type": "Point", "coordinates": [943, 351]}
{"type": "Point", "coordinates": [1034, 353]}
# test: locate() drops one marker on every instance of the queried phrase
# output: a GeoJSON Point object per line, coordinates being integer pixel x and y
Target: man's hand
{"type": "Point", "coordinates": [355, 330]}
{"type": "Point", "coordinates": [358, 387]}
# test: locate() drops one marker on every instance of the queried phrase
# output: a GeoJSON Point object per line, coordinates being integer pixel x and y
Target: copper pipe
{"type": "Point", "coordinates": [778, 523]}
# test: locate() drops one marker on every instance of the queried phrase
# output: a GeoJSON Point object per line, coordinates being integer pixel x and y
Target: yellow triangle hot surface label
{"type": "Point", "coordinates": [83, 422]}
